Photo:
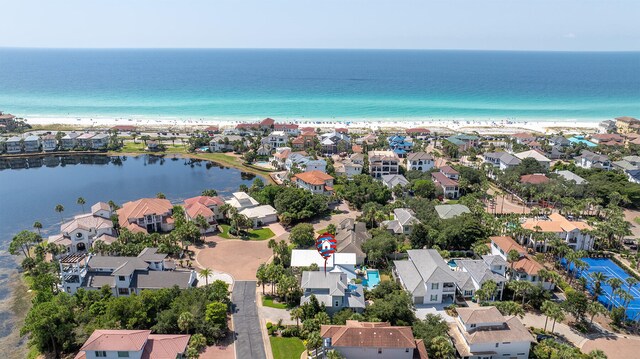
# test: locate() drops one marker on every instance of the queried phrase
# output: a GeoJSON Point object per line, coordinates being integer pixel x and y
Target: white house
{"type": "Point", "coordinates": [391, 181]}
{"type": "Point", "coordinates": [78, 234]}
{"type": "Point", "coordinates": [542, 159]}
{"type": "Point", "coordinates": [501, 160]}
{"type": "Point", "coordinates": [14, 145]}
{"type": "Point", "coordinates": [223, 143]}
{"type": "Point", "coordinates": [362, 340]}
{"type": "Point", "coordinates": [484, 333]}
{"type": "Point", "coordinates": [588, 159]}
{"type": "Point", "coordinates": [403, 221]}
{"type": "Point", "coordinates": [99, 141]}
{"type": "Point", "coordinates": [342, 262]}
{"type": "Point", "coordinates": [419, 161]}
{"type": "Point", "coordinates": [315, 182]}
{"type": "Point", "coordinates": [383, 163]}
{"type": "Point", "coordinates": [479, 271]}
{"type": "Point", "coordinates": [426, 277]}
{"type": "Point", "coordinates": [333, 290]}
{"type": "Point", "coordinates": [450, 187]}
{"type": "Point", "coordinates": [69, 141]}
{"type": "Point", "coordinates": [347, 168]}
{"type": "Point", "coordinates": [276, 139]}
{"type": "Point", "coordinates": [574, 233]}
{"type": "Point", "coordinates": [241, 200]}
{"type": "Point", "coordinates": [260, 215]}
{"type": "Point", "coordinates": [133, 344]}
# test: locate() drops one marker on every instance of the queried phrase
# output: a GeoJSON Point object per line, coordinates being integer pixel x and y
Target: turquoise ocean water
{"type": "Point", "coordinates": [319, 84]}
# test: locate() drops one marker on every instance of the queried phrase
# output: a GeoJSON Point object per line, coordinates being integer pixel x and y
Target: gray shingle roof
{"type": "Point", "coordinates": [570, 176]}
{"type": "Point", "coordinates": [430, 265]}
{"type": "Point", "coordinates": [417, 156]}
{"type": "Point", "coordinates": [394, 180]}
{"type": "Point", "coordinates": [447, 211]}
{"type": "Point", "coordinates": [161, 279]}
{"type": "Point", "coordinates": [405, 216]}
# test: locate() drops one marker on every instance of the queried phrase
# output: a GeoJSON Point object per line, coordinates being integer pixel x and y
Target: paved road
{"type": "Point", "coordinates": [246, 324]}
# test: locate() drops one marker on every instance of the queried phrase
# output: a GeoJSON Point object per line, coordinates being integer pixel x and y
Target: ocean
{"type": "Point", "coordinates": [319, 84]}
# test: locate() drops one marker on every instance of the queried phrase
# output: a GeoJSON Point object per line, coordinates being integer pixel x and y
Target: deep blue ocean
{"type": "Point", "coordinates": [319, 84]}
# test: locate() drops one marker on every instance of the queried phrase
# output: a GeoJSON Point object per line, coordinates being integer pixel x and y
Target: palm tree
{"type": "Point", "coordinates": [203, 224]}
{"type": "Point", "coordinates": [205, 273]}
{"type": "Point", "coordinates": [60, 208]}
{"type": "Point", "coordinates": [37, 225]}
{"type": "Point", "coordinates": [546, 308]}
{"type": "Point", "coordinates": [441, 347]}
{"type": "Point", "coordinates": [296, 313]}
{"type": "Point", "coordinates": [631, 281]}
{"type": "Point", "coordinates": [625, 298]}
{"type": "Point", "coordinates": [81, 202]}
{"type": "Point", "coordinates": [594, 308]}
{"type": "Point", "coordinates": [598, 278]}
{"type": "Point", "coordinates": [614, 283]}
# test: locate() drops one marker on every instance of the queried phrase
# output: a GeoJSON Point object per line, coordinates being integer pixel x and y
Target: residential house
{"type": "Point", "coordinates": [588, 160]}
{"type": "Point", "coordinates": [570, 176]}
{"type": "Point", "coordinates": [524, 269]}
{"type": "Point", "coordinates": [84, 140]}
{"type": "Point", "coordinates": [99, 141]}
{"type": "Point", "coordinates": [391, 181]}
{"type": "Point", "coordinates": [419, 161]}
{"type": "Point", "coordinates": [534, 179]}
{"type": "Point", "coordinates": [14, 145]}
{"type": "Point", "coordinates": [450, 172]}
{"type": "Point", "coordinates": [464, 142]}
{"type": "Point", "coordinates": [137, 344]}
{"type": "Point", "coordinates": [343, 262]}
{"type": "Point", "coordinates": [304, 163]}
{"type": "Point", "coordinates": [280, 156]}
{"type": "Point", "coordinates": [304, 140]}
{"type": "Point", "coordinates": [69, 141]}
{"type": "Point", "coordinates": [334, 142]}
{"type": "Point", "coordinates": [124, 275]}
{"type": "Point", "coordinates": [426, 277]}
{"type": "Point", "coordinates": [205, 206]}
{"type": "Point", "coordinates": [315, 182]}
{"type": "Point", "coordinates": [288, 128]}
{"type": "Point", "coordinates": [501, 160]}
{"type": "Point", "coordinates": [78, 234]}
{"type": "Point", "coordinates": [400, 145]}
{"type": "Point", "coordinates": [418, 131]}
{"type": "Point", "coordinates": [626, 124]}
{"type": "Point", "coordinates": [627, 163]}
{"type": "Point", "coordinates": [607, 126]}
{"type": "Point", "coordinates": [267, 124]}
{"type": "Point", "coordinates": [607, 139]}
{"type": "Point", "coordinates": [448, 211]}
{"type": "Point", "coordinates": [32, 144]}
{"type": "Point", "coordinates": [263, 150]}
{"type": "Point", "coordinates": [479, 271]}
{"type": "Point", "coordinates": [574, 233]}
{"type": "Point", "coordinates": [383, 163]}
{"type": "Point", "coordinates": [347, 168]}
{"type": "Point", "coordinates": [350, 235]}
{"type": "Point", "coordinates": [450, 188]}
{"type": "Point", "coordinates": [49, 143]}
{"type": "Point", "coordinates": [633, 175]}
{"type": "Point", "coordinates": [484, 333]}
{"type": "Point", "coordinates": [223, 143]}
{"type": "Point", "coordinates": [333, 290]}
{"type": "Point", "coordinates": [523, 138]}
{"type": "Point", "coordinates": [146, 215]}
{"type": "Point", "coordinates": [542, 159]}
{"type": "Point", "coordinates": [241, 200]}
{"type": "Point", "coordinates": [260, 215]}
{"type": "Point", "coordinates": [560, 141]}
{"type": "Point", "coordinates": [276, 139]}
{"type": "Point", "coordinates": [357, 158]}
{"type": "Point", "coordinates": [403, 221]}
{"type": "Point", "coordinates": [363, 340]}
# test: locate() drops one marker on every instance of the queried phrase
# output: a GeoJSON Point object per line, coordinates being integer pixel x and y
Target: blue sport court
{"type": "Point", "coordinates": [611, 269]}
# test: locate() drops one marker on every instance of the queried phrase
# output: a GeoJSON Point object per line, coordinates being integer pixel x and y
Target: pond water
{"type": "Point", "coordinates": [30, 189]}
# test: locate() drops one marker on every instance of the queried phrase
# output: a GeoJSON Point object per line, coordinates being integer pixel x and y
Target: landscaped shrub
{"type": "Point", "coordinates": [291, 331]}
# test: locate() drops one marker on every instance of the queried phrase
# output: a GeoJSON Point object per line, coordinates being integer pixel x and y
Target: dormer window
{"type": "Point", "coordinates": [78, 235]}
{"type": "Point", "coordinates": [472, 325]}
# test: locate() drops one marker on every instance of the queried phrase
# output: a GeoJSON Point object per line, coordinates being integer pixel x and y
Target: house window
{"type": "Point", "coordinates": [497, 345]}
{"type": "Point", "coordinates": [78, 235]}
{"type": "Point", "coordinates": [337, 304]}
{"type": "Point", "coordinates": [435, 285]}
{"type": "Point", "coordinates": [101, 354]}
{"type": "Point", "coordinates": [121, 277]}
{"type": "Point", "coordinates": [406, 350]}
{"type": "Point", "coordinates": [472, 325]}
{"type": "Point", "coordinates": [123, 291]}
{"type": "Point", "coordinates": [379, 350]}
{"type": "Point", "coordinates": [506, 342]}
{"type": "Point", "coordinates": [123, 354]}
{"type": "Point", "coordinates": [434, 297]}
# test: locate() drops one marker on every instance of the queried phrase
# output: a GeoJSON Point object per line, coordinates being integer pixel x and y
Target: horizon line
{"type": "Point", "coordinates": [313, 48]}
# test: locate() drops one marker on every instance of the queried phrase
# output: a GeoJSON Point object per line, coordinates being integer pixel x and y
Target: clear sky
{"type": "Point", "coordinates": [385, 24]}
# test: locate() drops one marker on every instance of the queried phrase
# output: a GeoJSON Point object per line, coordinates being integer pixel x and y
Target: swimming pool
{"type": "Point", "coordinates": [452, 264]}
{"type": "Point", "coordinates": [580, 139]}
{"type": "Point", "coordinates": [611, 270]}
{"type": "Point", "coordinates": [372, 279]}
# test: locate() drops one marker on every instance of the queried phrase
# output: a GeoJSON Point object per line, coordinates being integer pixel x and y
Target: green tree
{"type": "Point", "coordinates": [296, 314]}
{"type": "Point", "coordinates": [424, 188]}
{"type": "Point", "coordinates": [37, 225]}
{"type": "Point", "coordinates": [202, 224]}
{"type": "Point", "coordinates": [59, 209]}
{"type": "Point", "coordinates": [314, 341]}
{"type": "Point", "coordinates": [160, 195]}
{"type": "Point", "coordinates": [512, 257]}
{"type": "Point", "coordinates": [441, 347]}
{"type": "Point", "coordinates": [487, 291]}
{"type": "Point", "coordinates": [205, 273]}
{"type": "Point", "coordinates": [510, 308]}
{"type": "Point", "coordinates": [595, 308]}
{"type": "Point", "coordinates": [22, 242]}
{"type": "Point", "coordinates": [331, 228]}
{"type": "Point", "coordinates": [209, 193]}
{"type": "Point", "coordinates": [302, 235]}
{"type": "Point", "coordinates": [50, 325]}
{"type": "Point", "coordinates": [262, 275]}
{"type": "Point", "coordinates": [598, 278]}
{"type": "Point", "coordinates": [186, 321]}
{"type": "Point", "coordinates": [81, 202]}
{"type": "Point", "coordinates": [431, 327]}
{"type": "Point", "coordinates": [217, 313]}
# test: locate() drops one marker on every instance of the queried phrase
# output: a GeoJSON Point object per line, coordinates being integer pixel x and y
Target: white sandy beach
{"type": "Point", "coordinates": [435, 125]}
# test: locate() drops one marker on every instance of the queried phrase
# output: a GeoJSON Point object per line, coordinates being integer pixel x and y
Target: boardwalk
{"type": "Point", "coordinates": [246, 324]}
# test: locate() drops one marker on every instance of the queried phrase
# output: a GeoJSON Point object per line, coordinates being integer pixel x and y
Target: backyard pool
{"type": "Point", "coordinates": [372, 279]}
{"type": "Point", "coordinates": [452, 264]}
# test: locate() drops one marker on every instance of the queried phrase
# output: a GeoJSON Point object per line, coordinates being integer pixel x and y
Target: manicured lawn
{"type": "Point", "coordinates": [286, 348]}
{"type": "Point", "coordinates": [267, 301]}
{"type": "Point", "coordinates": [259, 234]}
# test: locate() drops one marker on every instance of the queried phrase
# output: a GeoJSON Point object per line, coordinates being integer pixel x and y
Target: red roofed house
{"type": "Point", "coordinates": [316, 182]}
{"type": "Point", "coordinates": [123, 128]}
{"type": "Point", "coordinates": [133, 344]}
{"type": "Point", "coordinates": [450, 172]}
{"type": "Point", "coordinates": [212, 129]}
{"type": "Point", "coordinates": [341, 130]}
{"type": "Point", "coordinates": [449, 186]}
{"type": "Point", "coordinates": [146, 215]}
{"type": "Point", "coordinates": [290, 128]}
{"type": "Point", "coordinates": [526, 268]}
{"type": "Point", "coordinates": [205, 206]}
{"type": "Point", "coordinates": [305, 140]}
{"type": "Point", "coordinates": [361, 340]}
{"type": "Point", "coordinates": [267, 123]}
{"type": "Point", "coordinates": [536, 178]}
{"type": "Point", "coordinates": [417, 131]}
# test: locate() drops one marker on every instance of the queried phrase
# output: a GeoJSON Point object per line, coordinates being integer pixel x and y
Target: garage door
{"type": "Point", "coordinates": [418, 300]}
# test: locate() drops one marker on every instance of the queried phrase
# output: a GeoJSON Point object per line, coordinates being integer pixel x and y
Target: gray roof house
{"type": "Point", "coordinates": [502, 160]}
{"type": "Point", "coordinates": [426, 277]}
{"type": "Point", "coordinates": [448, 211]}
{"type": "Point", "coordinates": [124, 275]}
{"type": "Point", "coordinates": [333, 290]}
{"type": "Point", "coordinates": [394, 180]}
{"type": "Point", "coordinates": [490, 267]}
{"type": "Point", "coordinates": [570, 176]}
{"type": "Point", "coordinates": [350, 236]}
{"type": "Point", "coordinates": [403, 221]}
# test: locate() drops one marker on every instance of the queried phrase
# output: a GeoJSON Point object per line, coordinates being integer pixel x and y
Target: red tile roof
{"type": "Point", "coordinates": [417, 130]}
{"type": "Point", "coordinates": [267, 122]}
{"type": "Point", "coordinates": [165, 346]}
{"type": "Point", "coordinates": [212, 128]}
{"type": "Point", "coordinates": [341, 130]}
{"type": "Point", "coordinates": [368, 335]}
{"type": "Point", "coordinates": [537, 178]}
{"type": "Point", "coordinates": [449, 170]}
{"type": "Point", "coordinates": [507, 243]}
{"type": "Point", "coordinates": [113, 340]}
{"type": "Point", "coordinates": [143, 207]}
{"type": "Point", "coordinates": [356, 148]}
{"type": "Point", "coordinates": [206, 200]}
{"type": "Point", "coordinates": [313, 177]}
{"type": "Point", "coordinates": [282, 126]}
{"type": "Point", "coordinates": [443, 180]}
